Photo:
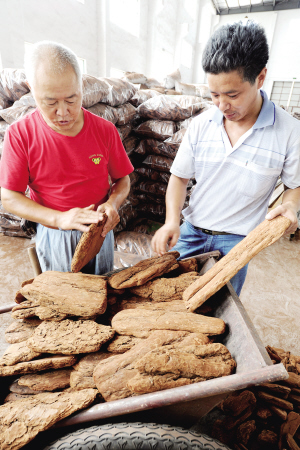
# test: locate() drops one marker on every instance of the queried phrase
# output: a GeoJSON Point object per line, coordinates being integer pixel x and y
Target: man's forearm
{"type": "Point", "coordinates": [119, 192]}
{"type": "Point", "coordinates": [17, 203]}
{"type": "Point", "coordinates": [175, 197]}
{"type": "Point", "coordinates": [292, 196]}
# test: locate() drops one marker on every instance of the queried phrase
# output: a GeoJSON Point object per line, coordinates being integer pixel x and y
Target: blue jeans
{"type": "Point", "coordinates": [55, 249]}
{"type": "Point", "coordinates": [194, 242]}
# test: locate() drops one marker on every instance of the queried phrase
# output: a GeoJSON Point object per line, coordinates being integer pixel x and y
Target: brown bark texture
{"type": "Point", "coordinates": [144, 271]}
{"type": "Point", "coordinates": [22, 420]}
{"type": "Point", "coordinates": [89, 245]}
{"type": "Point", "coordinates": [64, 294]}
{"type": "Point", "coordinates": [47, 381]}
{"type": "Point", "coordinates": [52, 362]}
{"type": "Point", "coordinates": [265, 234]}
{"type": "Point", "coordinates": [165, 289]}
{"type": "Point", "coordinates": [70, 337]}
{"type": "Point", "coordinates": [140, 322]}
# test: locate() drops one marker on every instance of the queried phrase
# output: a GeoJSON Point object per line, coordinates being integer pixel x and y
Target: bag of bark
{"type": "Point", "coordinates": [120, 91]}
{"type": "Point", "coordinates": [127, 212]}
{"type": "Point", "coordinates": [170, 107]}
{"type": "Point", "coordinates": [148, 173]}
{"type": "Point", "coordinates": [125, 113]}
{"type": "Point", "coordinates": [136, 243]}
{"type": "Point", "coordinates": [124, 131]}
{"type": "Point", "coordinates": [105, 111]}
{"type": "Point", "coordinates": [157, 162]}
{"type": "Point", "coordinates": [153, 175]}
{"type": "Point", "coordinates": [133, 178]}
{"type": "Point", "coordinates": [95, 90]}
{"type": "Point", "coordinates": [122, 259]}
{"type": "Point", "coordinates": [159, 148]}
{"type": "Point", "coordinates": [152, 210]}
{"type": "Point", "coordinates": [152, 82]}
{"type": "Point", "coordinates": [148, 198]}
{"type": "Point", "coordinates": [156, 129]}
{"type": "Point", "coordinates": [169, 81]}
{"type": "Point", "coordinates": [174, 141]}
{"type": "Point", "coordinates": [141, 148]}
{"type": "Point", "coordinates": [135, 78]}
{"type": "Point", "coordinates": [152, 187]}
{"type": "Point", "coordinates": [4, 103]}
{"type": "Point", "coordinates": [12, 84]}
{"type": "Point", "coordinates": [130, 143]}
{"type": "Point", "coordinates": [3, 127]}
{"type": "Point", "coordinates": [142, 96]}
{"type": "Point", "coordinates": [20, 108]}
{"type": "Point", "coordinates": [145, 226]}
{"type": "Point", "coordinates": [185, 123]}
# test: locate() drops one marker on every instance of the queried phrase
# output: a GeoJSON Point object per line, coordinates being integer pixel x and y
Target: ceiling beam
{"type": "Point", "coordinates": [293, 4]}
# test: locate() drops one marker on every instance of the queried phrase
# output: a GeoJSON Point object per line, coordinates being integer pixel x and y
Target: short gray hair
{"type": "Point", "coordinates": [59, 56]}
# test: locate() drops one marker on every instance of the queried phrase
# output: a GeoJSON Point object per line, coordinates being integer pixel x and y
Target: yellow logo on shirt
{"type": "Point", "coordinates": [96, 160]}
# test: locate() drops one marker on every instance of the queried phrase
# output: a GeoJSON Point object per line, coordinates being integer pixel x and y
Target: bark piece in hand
{"type": "Point", "coordinates": [89, 245]}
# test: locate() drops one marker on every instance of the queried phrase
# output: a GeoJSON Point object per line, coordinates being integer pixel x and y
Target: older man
{"type": "Point", "coordinates": [236, 151]}
{"type": "Point", "coordinates": [65, 155]}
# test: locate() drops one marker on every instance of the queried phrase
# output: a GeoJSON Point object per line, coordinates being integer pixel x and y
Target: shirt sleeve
{"type": "Point", "coordinates": [14, 171]}
{"type": "Point", "coordinates": [184, 162]}
{"type": "Point", "coordinates": [119, 164]}
{"type": "Point", "coordinates": [290, 174]}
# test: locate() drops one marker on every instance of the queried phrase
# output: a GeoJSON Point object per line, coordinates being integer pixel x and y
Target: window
{"type": "Point", "coordinates": [82, 64]}
{"type": "Point", "coordinates": [286, 94]}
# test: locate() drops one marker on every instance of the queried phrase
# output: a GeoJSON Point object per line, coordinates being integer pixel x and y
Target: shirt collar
{"type": "Point", "coordinates": [265, 118]}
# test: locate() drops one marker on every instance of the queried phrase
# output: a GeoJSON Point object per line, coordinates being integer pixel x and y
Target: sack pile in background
{"type": "Point", "coordinates": [150, 122]}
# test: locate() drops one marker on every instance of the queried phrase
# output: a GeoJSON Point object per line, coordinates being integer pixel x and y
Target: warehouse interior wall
{"type": "Point", "coordinates": [282, 30]}
{"type": "Point", "coordinates": [153, 37]}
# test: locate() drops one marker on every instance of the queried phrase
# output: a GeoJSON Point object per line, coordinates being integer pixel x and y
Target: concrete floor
{"type": "Point", "coordinates": [271, 294]}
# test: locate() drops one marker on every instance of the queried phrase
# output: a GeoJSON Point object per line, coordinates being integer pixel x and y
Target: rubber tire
{"type": "Point", "coordinates": [131, 436]}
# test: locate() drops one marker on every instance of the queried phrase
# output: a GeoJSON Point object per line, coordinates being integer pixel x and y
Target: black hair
{"type": "Point", "coordinates": [238, 46]}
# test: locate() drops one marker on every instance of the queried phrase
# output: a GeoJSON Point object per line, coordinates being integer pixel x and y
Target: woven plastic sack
{"type": "Point", "coordinates": [105, 111]}
{"type": "Point", "coordinates": [125, 113]}
{"type": "Point", "coordinates": [156, 129]}
{"type": "Point", "coordinates": [12, 84]}
{"type": "Point", "coordinates": [142, 96]}
{"type": "Point", "coordinates": [170, 107]}
{"type": "Point", "coordinates": [158, 162]}
{"type": "Point", "coordinates": [20, 108]}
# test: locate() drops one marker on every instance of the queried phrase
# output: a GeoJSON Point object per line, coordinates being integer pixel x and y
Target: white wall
{"type": "Point", "coordinates": [66, 21]}
{"type": "Point", "coordinates": [282, 30]}
{"type": "Point", "coordinates": [153, 37]}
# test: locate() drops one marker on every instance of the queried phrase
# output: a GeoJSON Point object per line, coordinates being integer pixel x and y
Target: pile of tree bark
{"type": "Point", "coordinates": [266, 416]}
{"type": "Point", "coordinates": [79, 339]}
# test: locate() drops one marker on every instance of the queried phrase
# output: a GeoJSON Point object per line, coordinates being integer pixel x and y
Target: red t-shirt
{"type": "Point", "coordinates": [63, 172]}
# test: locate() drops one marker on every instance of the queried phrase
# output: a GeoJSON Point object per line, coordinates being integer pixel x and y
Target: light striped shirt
{"type": "Point", "coordinates": [234, 184]}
